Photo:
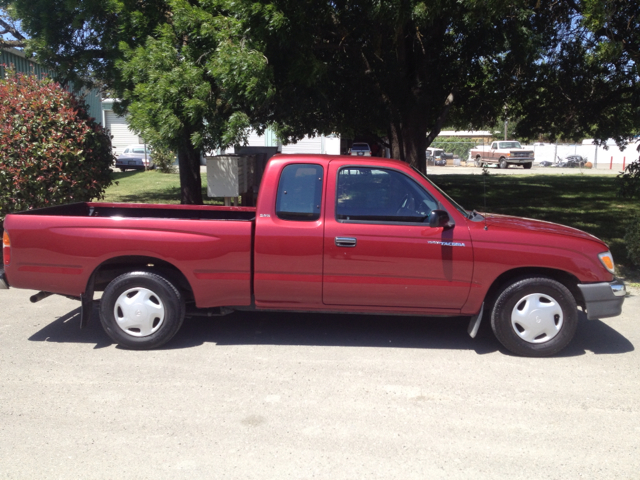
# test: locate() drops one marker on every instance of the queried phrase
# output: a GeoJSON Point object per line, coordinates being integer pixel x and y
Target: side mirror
{"type": "Point", "coordinates": [439, 218]}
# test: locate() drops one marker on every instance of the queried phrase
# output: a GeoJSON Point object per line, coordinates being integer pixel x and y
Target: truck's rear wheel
{"type": "Point", "coordinates": [503, 163]}
{"type": "Point", "coordinates": [535, 317]}
{"type": "Point", "coordinates": [141, 310]}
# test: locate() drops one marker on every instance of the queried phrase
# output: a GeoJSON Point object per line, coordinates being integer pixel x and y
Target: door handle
{"type": "Point", "coordinates": [345, 242]}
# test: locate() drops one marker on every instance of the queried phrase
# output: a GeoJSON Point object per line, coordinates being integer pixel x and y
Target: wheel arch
{"type": "Point", "coordinates": [116, 266]}
{"type": "Point", "coordinates": [506, 278]}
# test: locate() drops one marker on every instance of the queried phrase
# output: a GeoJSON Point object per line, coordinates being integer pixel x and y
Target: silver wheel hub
{"type": "Point", "coordinates": [139, 312]}
{"type": "Point", "coordinates": [537, 318]}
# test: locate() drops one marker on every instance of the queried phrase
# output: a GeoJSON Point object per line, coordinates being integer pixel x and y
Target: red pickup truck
{"type": "Point", "coordinates": [336, 234]}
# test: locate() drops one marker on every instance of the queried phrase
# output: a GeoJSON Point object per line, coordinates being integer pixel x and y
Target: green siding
{"type": "Point", "coordinates": [25, 65]}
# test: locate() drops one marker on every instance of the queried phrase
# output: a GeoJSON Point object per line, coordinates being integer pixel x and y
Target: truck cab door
{"type": "Point", "coordinates": [288, 238]}
{"type": "Point", "coordinates": [492, 151]}
{"type": "Point", "coordinates": [379, 249]}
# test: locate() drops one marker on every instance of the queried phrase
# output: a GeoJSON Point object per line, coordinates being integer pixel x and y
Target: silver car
{"type": "Point", "coordinates": [134, 157]}
{"type": "Point", "coordinates": [360, 149]}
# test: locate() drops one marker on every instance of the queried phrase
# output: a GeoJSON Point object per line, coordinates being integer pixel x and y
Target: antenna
{"type": "Point", "coordinates": [484, 185]}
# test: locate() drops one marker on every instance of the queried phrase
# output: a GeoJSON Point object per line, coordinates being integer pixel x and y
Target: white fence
{"type": "Point", "coordinates": [611, 158]}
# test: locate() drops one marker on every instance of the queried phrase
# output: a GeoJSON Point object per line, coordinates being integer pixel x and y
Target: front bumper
{"type": "Point", "coordinates": [520, 160]}
{"type": "Point", "coordinates": [604, 299]}
{"type": "Point", "coordinates": [130, 166]}
{"type": "Point", "coordinates": [3, 281]}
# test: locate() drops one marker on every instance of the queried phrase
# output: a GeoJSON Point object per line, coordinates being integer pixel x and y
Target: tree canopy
{"type": "Point", "coordinates": [196, 74]}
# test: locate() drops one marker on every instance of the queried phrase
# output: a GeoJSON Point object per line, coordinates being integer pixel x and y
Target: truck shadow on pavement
{"type": "Point", "coordinates": [314, 329]}
{"type": "Point", "coordinates": [66, 329]}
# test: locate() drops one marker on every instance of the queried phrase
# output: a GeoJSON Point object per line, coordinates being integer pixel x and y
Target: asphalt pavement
{"type": "Point", "coordinates": [279, 396]}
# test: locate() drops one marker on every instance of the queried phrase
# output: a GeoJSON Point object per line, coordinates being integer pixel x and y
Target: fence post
{"type": "Point", "coordinates": [611, 163]}
{"type": "Point", "coordinates": [624, 162]}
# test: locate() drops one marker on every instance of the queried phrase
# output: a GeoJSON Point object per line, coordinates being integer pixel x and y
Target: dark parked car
{"type": "Point", "coordinates": [437, 157]}
{"type": "Point", "coordinates": [133, 158]}
{"type": "Point", "coordinates": [572, 161]}
{"type": "Point", "coordinates": [436, 161]}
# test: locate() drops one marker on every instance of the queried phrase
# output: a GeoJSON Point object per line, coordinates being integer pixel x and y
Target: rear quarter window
{"type": "Point", "coordinates": [300, 192]}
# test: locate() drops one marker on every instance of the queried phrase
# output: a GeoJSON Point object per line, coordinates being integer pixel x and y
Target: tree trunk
{"type": "Point", "coordinates": [408, 140]}
{"type": "Point", "coordinates": [190, 180]}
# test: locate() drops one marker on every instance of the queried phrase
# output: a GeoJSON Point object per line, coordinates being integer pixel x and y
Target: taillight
{"type": "Point", "coordinates": [6, 248]}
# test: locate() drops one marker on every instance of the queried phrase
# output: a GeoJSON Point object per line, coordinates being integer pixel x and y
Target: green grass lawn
{"type": "Point", "coordinates": [150, 187]}
{"type": "Point", "coordinates": [587, 202]}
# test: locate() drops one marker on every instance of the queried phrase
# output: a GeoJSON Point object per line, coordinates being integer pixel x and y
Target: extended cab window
{"type": "Point", "coordinates": [367, 194]}
{"type": "Point", "coordinates": [300, 192]}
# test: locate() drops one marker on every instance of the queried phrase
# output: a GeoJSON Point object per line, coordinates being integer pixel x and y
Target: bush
{"type": "Point", "coordinates": [629, 181]}
{"type": "Point", "coordinates": [632, 240]}
{"type": "Point", "coordinates": [52, 151]}
{"type": "Point", "coordinates": [164, 160]}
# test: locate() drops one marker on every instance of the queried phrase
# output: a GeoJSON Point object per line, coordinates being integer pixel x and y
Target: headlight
{"type": "Point", "coordinates": [607, 260]}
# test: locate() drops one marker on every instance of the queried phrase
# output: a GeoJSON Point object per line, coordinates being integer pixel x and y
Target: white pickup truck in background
{"type": "Point", "coordinates": [502, 153]}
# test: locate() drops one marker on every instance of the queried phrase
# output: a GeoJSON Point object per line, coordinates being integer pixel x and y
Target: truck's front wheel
{"type": "Point", "coordinates": [535, 317]}
{"type": "Point", "coordinates": [141, 310]}
{"type": "Point", "coordinates": [503, 163]}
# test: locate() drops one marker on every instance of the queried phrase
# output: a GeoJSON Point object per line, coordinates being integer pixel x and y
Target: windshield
{"type": "Point", "coordinates": [360, 146]}
{"type": "Point", "coordinates": [451, 200]}
{"type": "Point", "coordinates": [510, 145]}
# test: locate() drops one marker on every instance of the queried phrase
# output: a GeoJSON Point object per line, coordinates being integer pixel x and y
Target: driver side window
{"type": "Point", "coordinates": [375, 195]}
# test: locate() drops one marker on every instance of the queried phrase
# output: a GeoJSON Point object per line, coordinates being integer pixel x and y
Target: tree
{"type": "Point", "coordinates": [182, 69]}
{"type": "Point", "coordinates": [588, 85]}
{"type": "Point", "coordinates": [398, 70]}
{"type": "Point", "coordinates": [9, 28]}
{"type": "Point", "coordinates": [52, 151]}
{"type": "Point", "coordinates": [189, 85]}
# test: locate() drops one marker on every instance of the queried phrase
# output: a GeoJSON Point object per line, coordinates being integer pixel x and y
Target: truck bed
{"type": "Point", "coordinates": [141, 210]}
{"type": "Point", "coordinates": [56, 249]}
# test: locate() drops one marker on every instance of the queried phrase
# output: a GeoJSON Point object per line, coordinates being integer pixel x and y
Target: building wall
{"type": "Point", "coordinates": [118, 127]}
{"type": "Point", "coordinates": [24, 65]}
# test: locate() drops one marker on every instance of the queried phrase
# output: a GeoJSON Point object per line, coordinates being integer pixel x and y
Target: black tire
{"type": "Point", "coordinates": [503, 163]}
{"type": "Point", "coordinates": [534, 317]}
{"type": "Point", "coordinates": [527, 166]}
{"type": "Point", "coordinates": [156, 305]}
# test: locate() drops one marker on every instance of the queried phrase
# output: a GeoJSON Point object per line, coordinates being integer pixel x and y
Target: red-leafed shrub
{"type": "Point", "coordinates": [51, 150]}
